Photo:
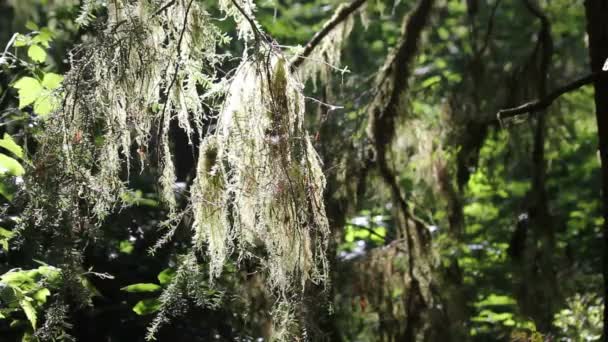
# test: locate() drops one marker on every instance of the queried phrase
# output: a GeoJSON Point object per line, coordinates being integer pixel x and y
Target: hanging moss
{"type": "Point", "coordinates": [276, 199]}
{"type": "Point", "coordinates": [259, 183]}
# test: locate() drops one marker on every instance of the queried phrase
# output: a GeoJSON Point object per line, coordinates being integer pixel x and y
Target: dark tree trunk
{"type": "Point", "coordinates": [597, 29]}
{"type": "Point", "coordinates": [539, 290]}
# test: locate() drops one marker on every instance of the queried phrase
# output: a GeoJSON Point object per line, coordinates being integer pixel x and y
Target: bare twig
{"type": "Point", "coordinates": [540, 104]}
{"type": "Point", "coordinates": [10, 43]}
{"type": "Point", "coordinates": [341, 14]}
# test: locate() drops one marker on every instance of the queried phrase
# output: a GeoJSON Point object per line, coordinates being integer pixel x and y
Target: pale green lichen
{"type": "Point", "coordinates": [259, 183]}
{"type": "Point", "coordinates": [326, 58]}
{"type": "Point", "coordinates": [270, 174]}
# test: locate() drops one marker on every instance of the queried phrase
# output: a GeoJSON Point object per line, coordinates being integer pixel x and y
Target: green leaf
{"type": "Point", "coordinates": [126, 246]}
{"type": "Point", "coordinates": [30, 312]}
{"type": "Point", "coordinates": [146, 306]}
{"type": "Point", "coordinates": [21, 40]}
{"type": "Point", "coordinates": [5, 236]}
{"type": "Point", "coordinates": [136, 198]}
{"type": "Point", "coordinates": [50, 272]}
{"type": "Point", "coordinates": [30, 25]}
{"type": "Point", "coordinates": [141, 287]}
{"type": "Point", "coordinates": [40, 295]}
{"type": "Point", "coordinates": [10, 165]}
{"type": "Point", "coordinates": [29, 90]}
{"type": "Point", "coordinates": [493, 299]}
{"type": "Point", "coordinates": [379, 234]}
{"type": "Point", "coordinates": [46, 104]}
{"type": "Point", "coordinates": [44, 37]}
{"type": "Point", "coordinates": [6, 190]}
{"type": "Point", "coordinates": [9, 144]}
{"type": "Point", "coordinates": [166, 276]}
{"type": "Point", "coordinates": [15, 278]}
{"type": "Point", "coordinates": [430, 81]}
{"type": "Point", "coordinates": [509, 322]}
{"type": "Point", "coordinates": [51, 81]}
{"type": "Point", "coordinates": [36, 53]}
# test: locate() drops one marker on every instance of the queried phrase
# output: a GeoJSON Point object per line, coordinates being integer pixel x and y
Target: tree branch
{"type": "Point", "coordinates": [341, 14]}
{"type": "Point", "coordinates": [540, 104]}
{"type": "Point", "coordinates": [383, 112]}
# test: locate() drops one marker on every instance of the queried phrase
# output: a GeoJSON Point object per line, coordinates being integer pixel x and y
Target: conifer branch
{"type": "Point", "coordinates": [341, 14]}
{"type": "Point", "coordinates": [540, 104]}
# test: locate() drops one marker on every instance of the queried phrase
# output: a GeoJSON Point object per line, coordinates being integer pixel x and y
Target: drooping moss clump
{"type": "Point", "coordinates": [259, 184]}
{"type": "Point", "coordinates": [269, 175]}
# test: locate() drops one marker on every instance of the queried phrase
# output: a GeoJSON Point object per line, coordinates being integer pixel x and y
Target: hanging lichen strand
{"type": "Point", "coordinates": [320, 61]}
{"type": "Point", "coordinates": [144, 68]}
{"type": "Point", "coordinates": [140, 73]}
{"type": "Point", "coordinates": [259, 180]}
{"type": "Point", "coordinates": [259, 186]}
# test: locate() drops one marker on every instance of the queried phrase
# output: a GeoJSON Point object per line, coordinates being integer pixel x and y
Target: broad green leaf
{"type": "Point", "coordinates": [17, 279]}
{"type": "Point", "coordinates": [30, 25]}
{"type": "Point", "coordinates": [141, 287]}
{"type": "Point", "coordinates": [136, 198]}
{"type": "Point", "coordinates": [6, 191]}
{"type": "Point", "coordinates": [29, 310]}
{"type": "Point", "coordinates": [46, 104]}
{"type": "Point", "coordinates": [5, 236]}
{"type": "Point", "coordinates": [495, 300]}
{"type": "Point", "coordinates": [430, 81]}
{"type": "Point", "coordinates": [126, 246]}
{"type": "Point", "coordinates": [41, 295]}
{"type": "Point", "coordinates": [9, 144]}
{"type": "Point", "coordinates": [21, 41]}
{"type": "Point", "coordinates": [10, 165]}
{"type": "Point", "coordinates": [51, 81]}
{"type": "Point", "coordinates": [509, 322]}
{"type": "Point", "coordinates": [36, 53]}
{"type": "Point", "coordinates": [50, 272]}
{"type": "Point", "coordinates": [166, 276]}
{"type": "Point", "coordinates": [29, 90]}
{"type": "Point", "coordinates": [44, 37]}
{"type": "Point", "coordinates": [146, 306]}
{"type": "Point", "coordinates": [350, 234]}
{"type": "Point", "coordinates": [379, 234]}
{"type": "Point", "coordinates": [491, 316]}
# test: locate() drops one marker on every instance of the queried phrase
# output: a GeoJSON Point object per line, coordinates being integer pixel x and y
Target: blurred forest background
{"type": "Point", "coordinates": [447, 222]}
